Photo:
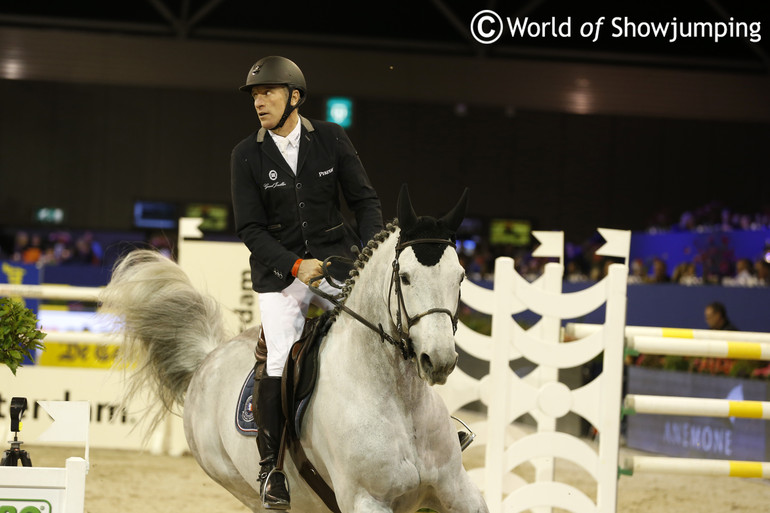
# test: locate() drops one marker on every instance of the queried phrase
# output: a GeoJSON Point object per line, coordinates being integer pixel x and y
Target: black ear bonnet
{"type": "Point", "coordinates": [427, 227]}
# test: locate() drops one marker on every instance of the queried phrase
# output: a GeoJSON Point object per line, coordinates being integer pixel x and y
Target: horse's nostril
{"type": "Point", "coordinates": [425, 362]}
{"type": "Point", "coordinates": [454, 364]}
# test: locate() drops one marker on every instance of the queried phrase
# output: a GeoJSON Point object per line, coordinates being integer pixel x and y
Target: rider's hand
{"type": "Point", "coordinates": [309, 269]}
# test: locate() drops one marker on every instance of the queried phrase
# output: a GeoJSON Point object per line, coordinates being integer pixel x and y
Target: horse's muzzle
{"type": "Point", "coordinates": [435, 374]}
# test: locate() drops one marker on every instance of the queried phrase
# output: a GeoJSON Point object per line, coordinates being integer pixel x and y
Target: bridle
{"type": "Point", "coordinates": [402, 316]}
{"type": "Point", "coordinates": [401, 340]}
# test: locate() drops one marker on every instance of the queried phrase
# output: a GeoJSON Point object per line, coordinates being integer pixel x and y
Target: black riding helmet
{"type": "Point", "coordinates": [277, 70]}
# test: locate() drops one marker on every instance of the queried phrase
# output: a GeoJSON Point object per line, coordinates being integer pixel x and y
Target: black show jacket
{"type": "Point", "coordinates": [281, 217]}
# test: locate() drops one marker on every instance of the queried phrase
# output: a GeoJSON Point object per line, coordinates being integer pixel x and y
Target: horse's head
{"type": "Point", "coordinates": [424, 294]}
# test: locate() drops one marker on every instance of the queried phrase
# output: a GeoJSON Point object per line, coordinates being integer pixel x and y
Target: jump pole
{"type": "Point", "coordinates": [54, 292]}
{"type": "Point", "coordinates": [714, 348]}
{"type": "Point", "coordinates": [695, 406]}
{"type": "Point", "coordinates": [580, 330]}
{"type": "Point", "coordinates": [83, 337]}
{"type": "Point", "coordinates": [694, 466]}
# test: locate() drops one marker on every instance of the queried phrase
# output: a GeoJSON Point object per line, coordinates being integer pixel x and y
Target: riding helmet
{"type": "Point", "coordinates": [275, 70]}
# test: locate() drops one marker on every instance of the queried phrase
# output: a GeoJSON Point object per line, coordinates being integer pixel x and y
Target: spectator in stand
{"type": "Point", "coordinates": [84, 251]}
{"type": "Point", "coordinates": [762, 269]}
{"type": "Point", "coordinates": [684, 274]}
{"type": "Point", "coordinates": [60, 248]}
{"type": "Point", "coordinates": [743, 277]}
{"type": "Point", "coordinates": [659, 271]}
{"type": "Point", "coordinates": [20, 243]}
{"type": "Point", "coordinates": [33, 251]}
{"type": "Point", "coordinates": [716, 317]}
{"type": "Point", "coordinates": [638, 272]}
{"type": "Point", "coordinates": [574, 273]}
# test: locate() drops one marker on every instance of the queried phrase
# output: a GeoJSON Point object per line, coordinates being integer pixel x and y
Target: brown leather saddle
{"type": "Point", "coordinates": [298, 382]}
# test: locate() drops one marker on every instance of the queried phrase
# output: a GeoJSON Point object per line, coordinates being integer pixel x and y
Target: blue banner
{"type": "Point", "coordinates": [697, 437]}
{"type": "Point", "coordinates": [15, 273]}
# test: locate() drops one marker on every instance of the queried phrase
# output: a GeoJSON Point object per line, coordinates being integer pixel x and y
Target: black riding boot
{"type": "Point", "coordinates": [274, 491]}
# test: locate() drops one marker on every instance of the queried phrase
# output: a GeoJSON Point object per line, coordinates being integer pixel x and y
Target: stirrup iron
{"type": "Point", "coordinates": [265, 504]}
{"type": "Point", "coordinates": [470, 435]}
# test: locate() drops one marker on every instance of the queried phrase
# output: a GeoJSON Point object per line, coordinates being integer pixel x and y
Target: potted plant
{"type": "Point", "coordinates": [19, 335]}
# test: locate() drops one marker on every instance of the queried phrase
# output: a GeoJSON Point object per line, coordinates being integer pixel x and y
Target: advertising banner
{"type": "Point", "coordinates": [697, 437]}
{"type": "Point", "coordinates": [110, 427]}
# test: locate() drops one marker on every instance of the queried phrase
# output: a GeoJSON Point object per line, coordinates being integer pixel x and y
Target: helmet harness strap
{"type": "Point", "coordinates": [289, 107]}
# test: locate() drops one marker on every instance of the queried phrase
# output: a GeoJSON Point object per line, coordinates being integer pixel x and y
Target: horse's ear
{"type": "Point", "coordinates": [455, 217]}
{"type": "Point", "coordinates": [406, 216]}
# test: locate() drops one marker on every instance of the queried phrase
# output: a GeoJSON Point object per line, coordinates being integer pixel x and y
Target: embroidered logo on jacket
{"type": "Point", "coordinates": [273, 174]}
{"type": "Point", "coordinates": [327, 172]}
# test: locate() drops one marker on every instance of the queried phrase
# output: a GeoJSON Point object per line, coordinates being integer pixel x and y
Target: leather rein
{"type": "Point", "coordinates": [401, 340]}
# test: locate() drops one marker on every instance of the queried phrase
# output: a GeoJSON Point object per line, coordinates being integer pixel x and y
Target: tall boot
{"type": "Point", "coordinates": [274, 491]}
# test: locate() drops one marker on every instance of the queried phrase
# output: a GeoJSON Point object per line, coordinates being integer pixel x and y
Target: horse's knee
{"type": "Point", "coordinates": [368, 504]}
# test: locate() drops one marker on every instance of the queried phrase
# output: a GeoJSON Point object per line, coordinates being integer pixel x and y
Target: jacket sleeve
{"type": "Point", "coordinates": [359, 194]}
{"type": "Point", "coordinates": [251, 219]}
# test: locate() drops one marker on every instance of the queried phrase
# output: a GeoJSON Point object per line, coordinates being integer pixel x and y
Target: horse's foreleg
{"type": "Point", "coordinates": [361, 502]}
{"type": "Point", "coordinates": [369, 504]}
{"type": "Point", "coordinates": [461, 496]}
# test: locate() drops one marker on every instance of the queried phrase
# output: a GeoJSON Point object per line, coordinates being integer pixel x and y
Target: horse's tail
{"type": "Point", "coordinates": [168, 328]}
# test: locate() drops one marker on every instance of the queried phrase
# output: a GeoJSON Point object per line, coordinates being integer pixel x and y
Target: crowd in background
{"type": "Point", "coordinates": [63, 247]}
{"type": "Point", "coordinates": [713, 266]}
{"type": "Point", "coordinates": [57, 247]}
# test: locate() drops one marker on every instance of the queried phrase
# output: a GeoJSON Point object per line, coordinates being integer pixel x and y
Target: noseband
{"type": "Point", "coordinates": [401, 340]}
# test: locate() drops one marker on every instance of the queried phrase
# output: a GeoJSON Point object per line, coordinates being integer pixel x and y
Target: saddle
{"type": "Point", "coordinates": [297, 384]}
{"type": "Point", "coordinates": [301, 371]}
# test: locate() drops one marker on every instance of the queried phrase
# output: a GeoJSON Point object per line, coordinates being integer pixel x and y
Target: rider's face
{"type": "Point", "coordinates": [269, 102]}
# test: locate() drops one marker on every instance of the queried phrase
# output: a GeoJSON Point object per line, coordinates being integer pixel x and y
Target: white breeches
{"type": "Point", "coordinates": [283, 317]}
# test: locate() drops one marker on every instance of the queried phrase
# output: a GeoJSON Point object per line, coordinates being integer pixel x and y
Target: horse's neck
{"type": "Point", "coordinates": [376, 358]}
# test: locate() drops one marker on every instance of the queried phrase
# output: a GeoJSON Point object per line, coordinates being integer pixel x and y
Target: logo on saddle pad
{"type": "Point", "coordinates": [244, 414]}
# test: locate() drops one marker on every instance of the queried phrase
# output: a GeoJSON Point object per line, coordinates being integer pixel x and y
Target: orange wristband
{"type": "Point", "coordinates": [295, 268]}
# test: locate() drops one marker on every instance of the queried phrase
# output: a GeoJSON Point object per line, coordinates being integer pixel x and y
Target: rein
{"type": "Point", "coordinates": [402, 341]}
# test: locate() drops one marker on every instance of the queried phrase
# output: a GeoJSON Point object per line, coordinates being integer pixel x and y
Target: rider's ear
{"type": "Point", "coordinates": [454, 217]}
{"type": "Point", "coordinates": [406, 216]}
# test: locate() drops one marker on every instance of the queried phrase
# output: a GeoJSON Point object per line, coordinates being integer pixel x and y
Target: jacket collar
{"type": "Point", "coordinates": [271, 150]}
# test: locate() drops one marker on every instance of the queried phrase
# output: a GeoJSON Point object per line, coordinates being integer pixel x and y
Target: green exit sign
{"type": "Point", "coordinates": [340, 110]}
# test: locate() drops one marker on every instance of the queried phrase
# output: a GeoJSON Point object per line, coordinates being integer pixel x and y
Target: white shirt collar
{"type": "Point", "coordinates": [293, 136]}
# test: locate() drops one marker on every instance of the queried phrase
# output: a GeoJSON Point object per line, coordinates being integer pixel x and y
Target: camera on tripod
{"type": "Point", "coordinates": [15, 454]}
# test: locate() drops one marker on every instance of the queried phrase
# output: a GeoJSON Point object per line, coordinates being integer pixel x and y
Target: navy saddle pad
{"type": "Point", "coordinates": [244, 413]}
{"type": "Point", "coordinates": [245, 422]}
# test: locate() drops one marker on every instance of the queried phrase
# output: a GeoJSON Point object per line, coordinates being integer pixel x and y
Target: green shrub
{"type": "Point", "coordinates": [19, 335]}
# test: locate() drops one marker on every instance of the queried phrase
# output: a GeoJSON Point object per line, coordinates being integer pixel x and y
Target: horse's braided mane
{"type": "Point", "coordinates": [363, 257]}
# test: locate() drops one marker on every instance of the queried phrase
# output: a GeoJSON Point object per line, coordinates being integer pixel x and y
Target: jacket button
{"type": "Point", "coordinates": [301, 204]}
{"type": "Point", "coordinates": [304, 224]}
{"type": "Point", "coordinates": [299, 185]}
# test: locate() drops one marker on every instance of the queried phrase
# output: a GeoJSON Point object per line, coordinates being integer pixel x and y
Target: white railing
{"type": "Point", "coordinates": [48, 489]}
{"type": "Point", "coordinates": [539, 394]}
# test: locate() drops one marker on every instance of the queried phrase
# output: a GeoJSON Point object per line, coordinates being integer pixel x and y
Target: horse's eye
{"type": "Point", "coordinates": [404, 279]}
